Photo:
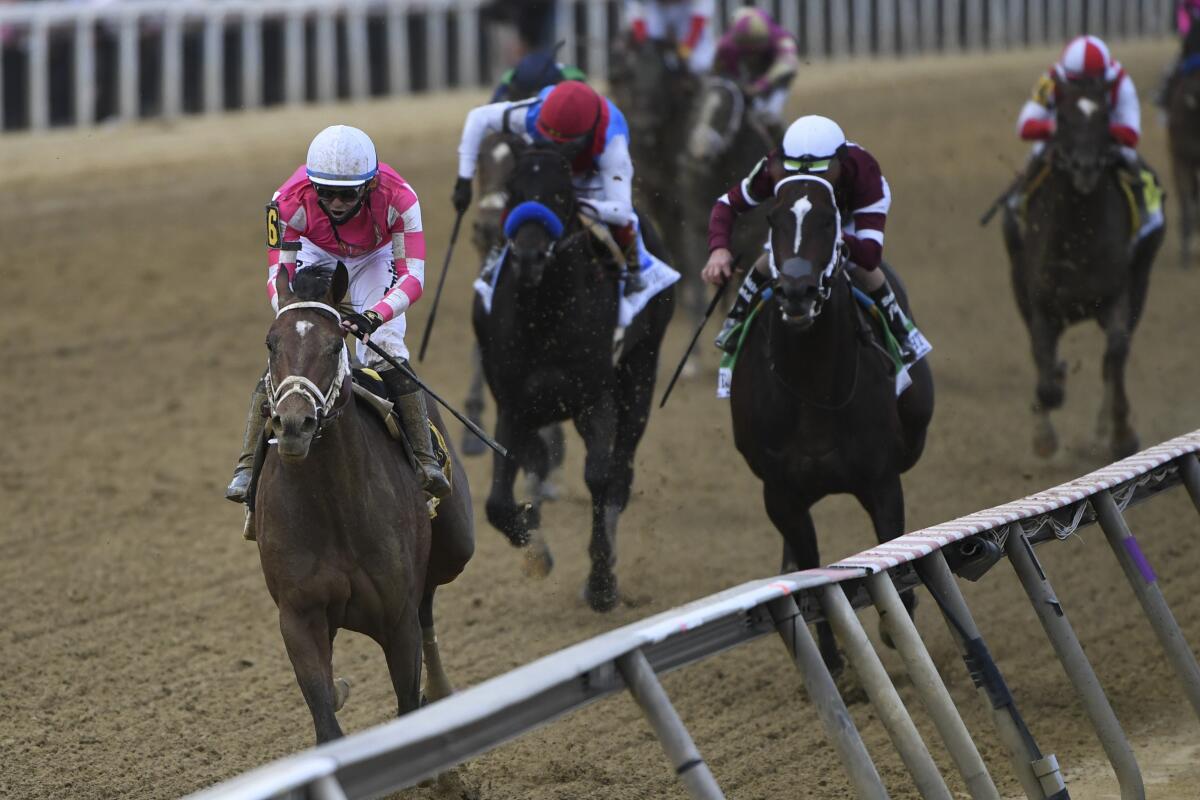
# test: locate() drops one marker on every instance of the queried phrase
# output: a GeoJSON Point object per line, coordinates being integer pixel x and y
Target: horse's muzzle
{"type": "Point", "coordinates": [294, 435]}
{"type": "Point", "coordinates": [799, 310]}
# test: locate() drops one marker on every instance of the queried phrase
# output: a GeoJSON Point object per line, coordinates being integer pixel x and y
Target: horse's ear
{"type": "Point", "coordinates": [341, 282]}
{"type": "Point", "coordinates": [283, 287]}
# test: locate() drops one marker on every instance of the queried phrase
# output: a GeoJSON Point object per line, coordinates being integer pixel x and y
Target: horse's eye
{"type": "Point", "coordinates": [271, 342]}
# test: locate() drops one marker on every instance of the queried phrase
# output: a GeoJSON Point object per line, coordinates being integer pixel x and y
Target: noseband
{"type": "Point", "coordinates": [322, 402]}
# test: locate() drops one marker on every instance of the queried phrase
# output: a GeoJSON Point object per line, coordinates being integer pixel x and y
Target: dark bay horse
{"type": "Point", "coordinates": [723, 144]}
{"type": "Point", "coordinates": [1183, 130]}
{"type": "Point", "coordinates": [652, 86]}
{"type": "Point", "coordinates": [547, 346]}
{"type": "Point", "coordinates": [813, 396]}
{"type": "Point", "coordinates": [1075, 256]}
{"type": "Point", "coordinates": [344, 534]}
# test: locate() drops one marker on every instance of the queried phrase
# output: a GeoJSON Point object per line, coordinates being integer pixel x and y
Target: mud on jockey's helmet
{"type": "Point", "coordinates": [751, 28]}
{"type": "Point", "coordinates": [811, 143]}
{"type": "Point", "coordinates": [570, 112]}
{"type": "Point", "coordinates": [1085, 57]}
{"type": "Point", "coordinates": [341, 163]}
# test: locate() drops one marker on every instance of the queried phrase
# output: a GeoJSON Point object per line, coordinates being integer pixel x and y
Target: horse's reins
{"type": "Point", "coordinates": [322, 402]}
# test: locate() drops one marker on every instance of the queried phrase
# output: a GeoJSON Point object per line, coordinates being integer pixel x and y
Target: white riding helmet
{"type": "Point", "coordinates": [342, 156]}
{"type": "Point", "coordinates": [810, 143]}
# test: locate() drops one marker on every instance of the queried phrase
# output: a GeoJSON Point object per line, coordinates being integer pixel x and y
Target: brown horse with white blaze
{"type": "Point", "coordinates": [344, 534]}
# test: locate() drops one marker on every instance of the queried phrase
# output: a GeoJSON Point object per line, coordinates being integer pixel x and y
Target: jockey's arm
{"type": "Point", "coordinates": [753, 190]}
{"type": "Point", "coordinates": [408, 254]}
{"type": "Point", "coordinates": [701, 16]}
{"type": "Point", "coordinates": [871, 202]}
{"type": "Point", "coordinates": [284, 255]}
{"type": "Point", "coordinates": [1125, 124]}
{"type": "Point", "coordinates": [1036, 120]}
{"type": "Point", "coordinates": [635, 12]}
{"type": "Point", "coordinates": [616, 172]}
{"type": "Point", "coordinates": [481, 121]}
{"type": "Point", "coordinates": [784, 66]}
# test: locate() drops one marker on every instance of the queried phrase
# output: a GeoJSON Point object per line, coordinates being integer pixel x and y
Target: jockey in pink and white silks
{"type": "Point", "coordinates": [686, 23]}
{"type": "Point", "coordinates": [344, 206]}
{"type": "Point", "coordinates": [762, 57]}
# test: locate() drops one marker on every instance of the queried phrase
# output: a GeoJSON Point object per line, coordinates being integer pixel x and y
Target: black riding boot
{"type": "Point", "coordinates": [750, 288]}
{"type": "Point", "coordinates": [414, 417]}
{"type": "Point", "coordinates": [239, 485]}
{"type": "Point", "coordinates": [897, 321]}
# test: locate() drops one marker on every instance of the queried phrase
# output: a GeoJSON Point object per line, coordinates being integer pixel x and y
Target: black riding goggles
{"type": "Point", "coordinates": [347, 194]}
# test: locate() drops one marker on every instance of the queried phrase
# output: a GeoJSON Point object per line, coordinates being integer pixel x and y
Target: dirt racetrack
{"type": "Point", "coordinates": [139, 651]}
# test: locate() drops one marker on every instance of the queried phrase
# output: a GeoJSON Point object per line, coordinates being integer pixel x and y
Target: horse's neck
{"type": "Point", "coordinates": [821, 359]}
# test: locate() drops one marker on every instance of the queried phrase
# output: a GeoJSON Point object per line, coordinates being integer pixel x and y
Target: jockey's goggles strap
{"type": "Point", "coordinates": [806, 164]}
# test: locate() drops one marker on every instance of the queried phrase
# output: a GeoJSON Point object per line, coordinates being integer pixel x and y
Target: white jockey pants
{"type": "Point", "coordinates": [673, 22]}
{"type": "Point", "coordinates": [370, 278]}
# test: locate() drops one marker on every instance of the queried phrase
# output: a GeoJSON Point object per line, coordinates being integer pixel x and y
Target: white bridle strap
{"type": "Point", "coordinates": [298, 384]}
{"type": "Point", "coordinates": [835, 259]}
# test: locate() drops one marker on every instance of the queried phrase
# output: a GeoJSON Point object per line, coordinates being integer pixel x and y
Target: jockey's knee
{"type": "Point", "coordinates": [868, 279]}
{"type": "Point", "coordinates": [762, 265]}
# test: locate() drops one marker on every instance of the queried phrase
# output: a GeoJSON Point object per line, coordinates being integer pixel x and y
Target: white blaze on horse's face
{"type": "Point", "coordinates": [303, 327]}
{"type": "Point", "coordinates": [800, 210]}
{"type": "Point", "coordinates": [1087, 106]}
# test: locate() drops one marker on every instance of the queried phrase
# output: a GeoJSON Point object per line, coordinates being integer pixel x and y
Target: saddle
{"type": "Point", "coordinates": [1142, 191]}
{"type": "Point", "coordinates": [369, 389]}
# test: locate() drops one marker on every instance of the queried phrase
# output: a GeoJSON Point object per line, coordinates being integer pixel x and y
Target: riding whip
{"type": "Point", "coordinates": [438, 294]}
{"type": "Point", "coordinates": [711, 307]}
{"type": "Point", "coordinates": [407, 370]}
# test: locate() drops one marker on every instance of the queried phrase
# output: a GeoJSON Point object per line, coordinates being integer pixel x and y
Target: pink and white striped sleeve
{"type": "Point", "coordinates": [408, 252]}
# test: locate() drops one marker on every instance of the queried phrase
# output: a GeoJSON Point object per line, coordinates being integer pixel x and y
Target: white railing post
{"type": "Point", "coordinates": [171, 79]}
{"type": "Point", "coordinates": [252, 57]}
{"type": "Point", "coordinates": [884, 698]}
{"type": "Point", "coordinates": [1037, 23]}
{"type": "Point", "coordinates": [1055, 22]}
{"type": "Point", "coordinates": [214, 60]}
{"type": "Point", "coordinates": [814, 30]}
{"type": "Point", "coordinates": [863, 23]}
{"type": "Point", "coordinates": [295, 80]}
{"type": "Point", "coordinates": [951, 39]}
{"type": "Point", "coordinates": [398, 59]}
{"type": "Point", "coordinates": [1094, 17]}
{"type": "Point", "coordinates": [886, 28]}
{"type": "Point", "coordinates": [643, 684]}
{"type": "Point", "coordinates": [1074, 17]}
{"type": "Point", "coordinates": [468, 46]}
{"type": "Point", "coordinates": [823, 694]}
{"type": "Point", "coordinates": [929, 26]}
{"type": "Point", "coordinates": [1016, 24]}
{"type": "Point", "coordinates": [356, 50]}
{"type": "Point", "coordinates": [129, 66]}
{"type": "Point", "coordinates": [564, 30]}
{"type": "Point", "coordinates": [38, 85]}
{"type": "Point", "coordinates": [839, 33]}
{"type": "Point", "coordinates": [326, 44]}
{"type": "Point", "coordinates": [974, 17]}
{"type": "Point", "coordinates": [998, 33]}
{"type": "Point", "coordinates": [436, 48]}
{"type": "Point", "coordinates": [85, 71]}
{"type": "Point", "coordinates": [598, 36]}
{"type": "Point", "coordinates": [1114, 23]}
{"type": "Point", "coordinates": [1075, 663]}
{"type": "Point", "coordinates": [907, 12]}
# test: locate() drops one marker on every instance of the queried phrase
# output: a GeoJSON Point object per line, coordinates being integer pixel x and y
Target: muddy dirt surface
{"type": "Point", "coordinates": [139, 651]}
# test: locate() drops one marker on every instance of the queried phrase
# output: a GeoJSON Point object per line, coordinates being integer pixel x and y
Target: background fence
{"type": "Point", "coordinates": [64, 63]}
{"type": "Point", "coordinates": [481, 718]}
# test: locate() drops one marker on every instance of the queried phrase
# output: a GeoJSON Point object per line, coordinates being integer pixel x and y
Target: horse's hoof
{"type": "Point", "coordinates": [1125, 444]}
{"type": "Point", "coordinates": [600, 591]}
{"type": "Point", "coordinates": [1045, 440]}
{"type": "Point", "coordinates": [341, 693]}
{"type": "Point", "coordinates": [472, 445]}
{"type": "Point", "coordinates": [538, 560]}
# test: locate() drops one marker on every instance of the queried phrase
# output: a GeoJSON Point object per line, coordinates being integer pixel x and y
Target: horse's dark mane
{"type": "Point", "coordinates": [313, 283]}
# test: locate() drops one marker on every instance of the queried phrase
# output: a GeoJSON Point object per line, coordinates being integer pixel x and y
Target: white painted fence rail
{"type": "Point", "coordinates": [401, 753]}
{"type": "Point", "coordinates": [64, 63]}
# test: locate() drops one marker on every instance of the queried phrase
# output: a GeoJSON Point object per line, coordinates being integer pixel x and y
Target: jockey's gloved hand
{"type": "Point", "coordinates": [462, 194]}
{"type": "Point", "coordinates": [363, 324]}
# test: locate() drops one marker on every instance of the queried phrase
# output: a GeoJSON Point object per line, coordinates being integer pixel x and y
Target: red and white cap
{"type": "Point", "coordinates": [1086, 57]}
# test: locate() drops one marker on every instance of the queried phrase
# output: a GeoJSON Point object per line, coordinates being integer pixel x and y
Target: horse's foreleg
{"type": "Point", "coordinates": [437, 683]}
{"type": "Point", "coordinates": [884, 502]}
{"type": "Point", "coordinates": [502, 510]}
{"type": "Point", "coordinates": [306, 636]}
{"type": "Point", "coordinates": [1123, 440]}
{"type": "Point", "coordinates": [471, 444]}
{"type": "Point", "coordinates": [598, 427]}
{"type": "Point", "coordinates": [402, 649]}
{"type": "Point", "coordinates": [1044, 332]}
{"type": "Point", "coordinates": [789, 513]}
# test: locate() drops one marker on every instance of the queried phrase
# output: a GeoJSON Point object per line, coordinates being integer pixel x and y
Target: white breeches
{"type": "Point", "coordinates": [770, 104]}
{"type": "Point", "coordinates": [370, 278]}
{"type": "Point", "coordinates": [673, 22]}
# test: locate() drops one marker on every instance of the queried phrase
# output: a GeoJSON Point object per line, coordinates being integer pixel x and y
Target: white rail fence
{"type": "Point", "coordinates": [63, 63]}
{"type": "Point", "coordinates": [401, 753]}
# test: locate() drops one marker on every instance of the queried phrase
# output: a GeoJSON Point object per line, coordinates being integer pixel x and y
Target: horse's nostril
{"type": "Point", "coordinates": [309, 425]}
